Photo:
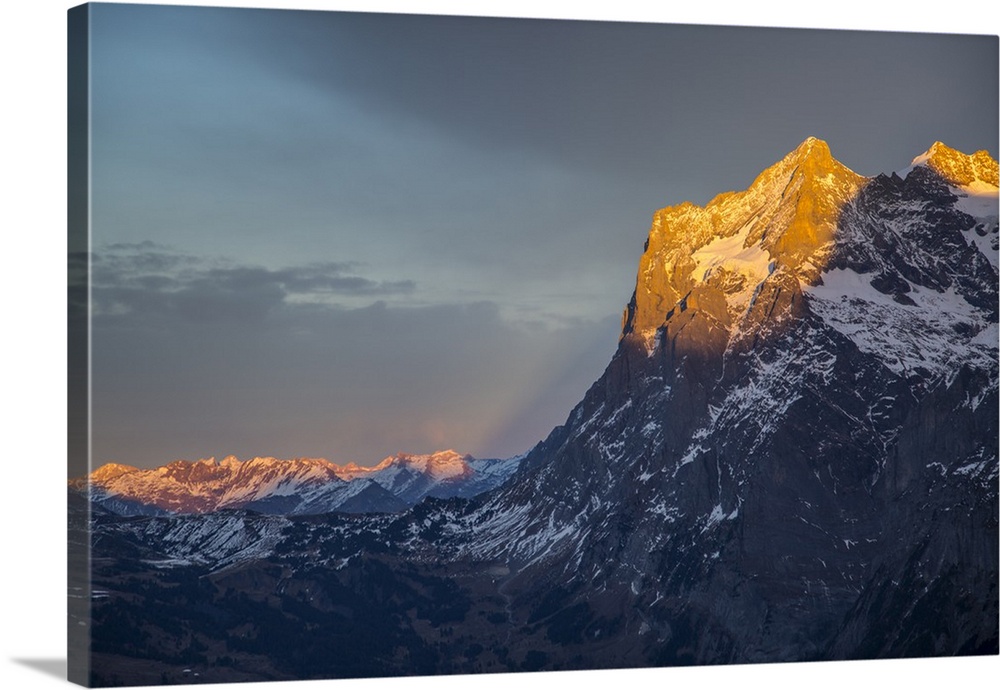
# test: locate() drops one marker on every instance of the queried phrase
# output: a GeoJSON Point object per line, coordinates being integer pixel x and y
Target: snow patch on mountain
{"type": "Point", "coordinates": [745, 266]}
{"type": "Point", "coordinates": [294, 487]}
{"type": "Point", "coordinates": [933, 335]}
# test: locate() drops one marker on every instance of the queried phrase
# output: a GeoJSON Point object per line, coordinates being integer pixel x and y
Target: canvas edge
{"type": "Point", "coordinates": [78, 339]}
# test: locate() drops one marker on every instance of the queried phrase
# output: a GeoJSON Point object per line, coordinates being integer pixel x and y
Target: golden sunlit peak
{"type": "Point", "coordinates": [815, 155]}
{"type": "Point", "coordinates": [811, 146]}
{"type": "Point", "coordinates": [112, 470]}
{"type": "Point", "coordinates": [717, 256]}
{"type": "Point", "coordinates": [959, 168]}
{"type": "Point", "coordinates": [810, 142]}
{"type": "Point", "coordinates": [937, 150]}
{"type": "Point", "coordinates": [812, 158]}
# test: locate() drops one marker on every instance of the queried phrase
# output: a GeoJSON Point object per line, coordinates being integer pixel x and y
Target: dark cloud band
{"type": "Point", "coordinates": [149, 281]}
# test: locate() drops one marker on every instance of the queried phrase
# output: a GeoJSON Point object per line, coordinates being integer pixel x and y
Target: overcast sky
{"type": "Point", "coordinates": [347, 235]}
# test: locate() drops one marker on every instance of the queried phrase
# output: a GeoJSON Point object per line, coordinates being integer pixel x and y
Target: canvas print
{"type": "Point", "coordinates": [416, 345]}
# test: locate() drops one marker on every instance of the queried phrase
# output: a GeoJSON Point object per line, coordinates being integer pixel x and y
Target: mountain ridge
{"type": "Point", "coordinates": [296, 486]}
{"type": "Point", "coordinates": [958, 168]}
{"type": "Point", "coordinates": [792, 455]}
{"type": "Point", "coordinates": [812, 381]}
{"type": "Point", "coordinates": [799, 194]}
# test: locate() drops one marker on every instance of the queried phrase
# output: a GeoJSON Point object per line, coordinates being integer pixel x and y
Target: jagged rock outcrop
{"type": "Point", "coordinates": [959, 169]}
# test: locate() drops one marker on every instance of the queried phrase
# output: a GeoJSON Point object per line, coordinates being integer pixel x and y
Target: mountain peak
{"type": "Point", "coordinates": [111, 470]}
{"type": "Point", "coordinates": [718, 254]}
{"type": "Point", "coordinates": [812, 147]}
{"type": "Point", "coordinates": [440, 464]}
{"type": "Point", "coordinates": [957, 168]}
{"type": "Point", "coordinates": [813, 158]}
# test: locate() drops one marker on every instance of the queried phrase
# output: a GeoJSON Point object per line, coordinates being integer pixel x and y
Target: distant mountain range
{"type": "Point", "coordinates": [792, 455]}
{"type": "Point", "coordinates": [304, 486]}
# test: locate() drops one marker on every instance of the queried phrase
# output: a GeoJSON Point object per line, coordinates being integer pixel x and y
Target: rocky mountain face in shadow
{"type": "Point", "coordinates": [791, 456]}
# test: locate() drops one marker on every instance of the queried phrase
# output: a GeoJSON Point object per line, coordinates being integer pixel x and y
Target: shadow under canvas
{"type": "Point", "coordinates": [50, 667]}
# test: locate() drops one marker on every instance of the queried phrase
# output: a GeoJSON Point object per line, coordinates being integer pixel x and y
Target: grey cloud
{"type": "Point", "coordinates": [314, 278]}
{"type": "Point", "coordinates": [145, 245]}
{"type": "Point", "coordinates": [148, 282]}
{"type": "Point", "coordinates": [124, 263]}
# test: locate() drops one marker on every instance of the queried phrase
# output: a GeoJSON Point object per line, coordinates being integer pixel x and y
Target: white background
{"type": "Point", "coordinates": [32, 339]}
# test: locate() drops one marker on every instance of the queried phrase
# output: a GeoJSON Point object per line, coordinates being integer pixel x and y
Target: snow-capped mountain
{"type": "Point", "coordinates": [792, 455]}
{"type": "Point", "coordinates": [302, 486]}
{"type": "Point", "coordinates": [806, 381]}
{"type": "Point", "coordinates": [442, 475]}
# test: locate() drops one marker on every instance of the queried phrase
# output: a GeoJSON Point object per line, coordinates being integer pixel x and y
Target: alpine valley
{"type": "Point", "coordinates": [791, 456]}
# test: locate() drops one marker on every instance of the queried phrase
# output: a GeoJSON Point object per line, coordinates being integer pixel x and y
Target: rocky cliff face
{"type": "Point", "coordinates": [806, 383]}
{"type": "Point", "coordinates": [792, 454]}
{"type": "Point", "coordinates": [719, 254]}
